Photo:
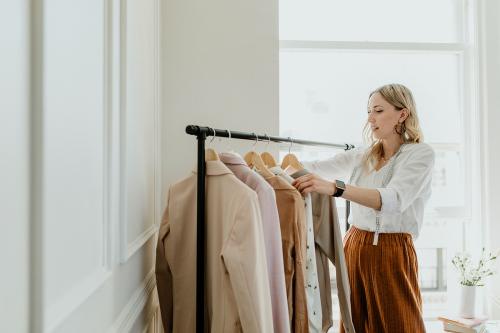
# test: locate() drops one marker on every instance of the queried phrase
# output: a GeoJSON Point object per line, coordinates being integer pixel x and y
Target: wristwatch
{"type": "Point", "coordinates": [339, 188]}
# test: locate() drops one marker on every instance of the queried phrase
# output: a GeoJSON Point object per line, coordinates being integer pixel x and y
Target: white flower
{"type": "Point", "coordinates": [471, 275]}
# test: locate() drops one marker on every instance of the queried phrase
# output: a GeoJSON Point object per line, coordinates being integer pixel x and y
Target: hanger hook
{"type": "Point", "coordinates": [213, 138]}
{"type": "Point", "coordinates": [291, 144]}
{"type": "Point", "coordinates": [229, 141]}
{"type": "Point", "coordinates": [256, 139]}
{"type": "Point", "coordinates": [268, 140]}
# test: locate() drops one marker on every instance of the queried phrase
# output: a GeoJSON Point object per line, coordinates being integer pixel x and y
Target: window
{"type": "Point", "coordinates": [334, 53]}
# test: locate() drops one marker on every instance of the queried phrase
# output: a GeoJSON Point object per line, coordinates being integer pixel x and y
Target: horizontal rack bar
{"type": "Point", "coordinates": [208, 131]}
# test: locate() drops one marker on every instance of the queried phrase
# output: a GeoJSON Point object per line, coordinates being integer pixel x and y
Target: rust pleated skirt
{"type": "Point", "coordinates": [385, 296]}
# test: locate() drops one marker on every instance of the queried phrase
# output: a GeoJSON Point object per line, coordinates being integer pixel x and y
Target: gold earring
{"type": "Point", "coordinates": [400, 128]}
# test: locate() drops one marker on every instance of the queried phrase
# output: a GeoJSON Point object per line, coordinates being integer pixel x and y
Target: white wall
{"type": "Point", "coordinates": [101, 164]}
{"type": "Point", "coordinates": [490, 83]}
{"type": "Point", "coordinates": [220, 69]}
{"type": "Point", "coordinates": [14, 166]}
{"type": "Point", "coordinates": [85, 120]}
{"type": "Point", "coordinates": [80, 119]}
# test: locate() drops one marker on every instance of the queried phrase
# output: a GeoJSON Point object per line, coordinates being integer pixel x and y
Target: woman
{"type": "Point", "coordinates": [389, 184]}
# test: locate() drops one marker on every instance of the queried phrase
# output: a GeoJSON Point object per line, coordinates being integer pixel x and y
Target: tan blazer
{"type": "Point", "coordinates": [237, 287]}
{"type": "Point", "coordinates": [293, 234]}
{"type": "Point", "coordinates": [328, 239]}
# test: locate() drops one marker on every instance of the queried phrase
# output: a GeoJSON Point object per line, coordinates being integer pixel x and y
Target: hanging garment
{"type": "Point", "coordinates": [328, 245]}
{"type": "Point", "coordinates": [293, 236]}
{"type": "Point", "coordinates": [236, 286]}
{"type": "Point", "coordinates": [314, 311]}
{"type": "Point", "coordinates": [272, 236]}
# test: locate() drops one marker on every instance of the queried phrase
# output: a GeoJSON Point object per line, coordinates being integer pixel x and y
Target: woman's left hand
{"type": "Point", "coordinates": [313, 183]}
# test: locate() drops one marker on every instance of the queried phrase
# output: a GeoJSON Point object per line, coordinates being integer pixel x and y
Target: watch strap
{"type": "Point", "coordinates": [339, 188]}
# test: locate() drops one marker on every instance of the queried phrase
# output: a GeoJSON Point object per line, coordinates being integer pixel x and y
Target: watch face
{"type": "Point", "coordinates": [340, 184]}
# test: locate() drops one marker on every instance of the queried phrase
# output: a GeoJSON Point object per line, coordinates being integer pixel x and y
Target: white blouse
{"type": "Point", "coordinates": [404, 197]}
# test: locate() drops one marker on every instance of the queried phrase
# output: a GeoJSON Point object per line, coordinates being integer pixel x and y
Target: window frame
{"type": "Point", "coordinates": [468, 55]}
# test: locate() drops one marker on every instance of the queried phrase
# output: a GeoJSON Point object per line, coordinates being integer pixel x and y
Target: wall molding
{"type": "Point", "coordinates": [122, 91]}
{"type": "Point", "coordinates": [64, 306]}
{"type": "Point", "coordinates": [74, 298]}
{"type": "Point", "coordinates": [114, 38]}
{"type": "Point", "coordinates": [114, 130]}
{"type": "Point", "coordinates": [36, 54]}
{"type": "Point", "coordinates": [107, 134]}
{"type": "Point", "coordinates": [489, 77]}
{"type": "Point", "coordinates": [127, 249]}
{"type": "Point", "coordinates": [138, 301]}
{"type": "Point", "coordinates": [134, 246]}
{"type": "Point", "coordinates": [158, 138]}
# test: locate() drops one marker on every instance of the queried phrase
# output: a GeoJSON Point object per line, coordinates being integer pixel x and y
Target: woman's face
{"type": "Point", "coordinates": [382, 117]}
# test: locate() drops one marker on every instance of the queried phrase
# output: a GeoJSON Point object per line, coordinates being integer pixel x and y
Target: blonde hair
{"type": "Point", "coordinates": [401, 98]}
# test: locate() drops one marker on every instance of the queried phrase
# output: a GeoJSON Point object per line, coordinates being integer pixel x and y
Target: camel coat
{"type": "Point", "coordinates": [236, 279]}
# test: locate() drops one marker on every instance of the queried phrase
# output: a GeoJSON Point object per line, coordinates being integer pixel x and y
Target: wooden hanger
{"type": "Point", "coordinates": [291, 164]}
{"type": "Point", "coordinates": [211, 154]}
{"type": "Point", "coordinates": [268, 159]}
{"type": "Point", "coordinates": [290, 160]}
{"type": "Point", "coordinates": [253, 159]}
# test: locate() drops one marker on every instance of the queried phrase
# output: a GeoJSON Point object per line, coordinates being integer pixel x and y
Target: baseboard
{"type": "Point", "coordinates": [135, 306]}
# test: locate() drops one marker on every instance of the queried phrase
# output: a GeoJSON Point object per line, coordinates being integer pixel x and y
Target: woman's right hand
{"type": "Point", "coordinates": [314, 183]}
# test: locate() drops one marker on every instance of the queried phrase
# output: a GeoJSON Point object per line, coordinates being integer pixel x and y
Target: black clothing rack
{"type": "Point", "coordinates": [201, 133]}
